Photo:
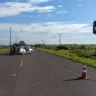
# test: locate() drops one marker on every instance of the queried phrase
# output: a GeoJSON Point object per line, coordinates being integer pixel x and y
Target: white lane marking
{"type": "Point", "coordinates": [1, 90]}
{"type": "Point", "coordinates": [13, 74]}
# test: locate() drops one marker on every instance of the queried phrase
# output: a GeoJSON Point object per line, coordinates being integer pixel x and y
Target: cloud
{"type": "Point", "coordinates": [38, 1]}
{"type": "Point", "coordinates": [60, 6]}
{"type": "Point", "coordinates": [15, 8]}
{"type": "Point", "coordinates": [30, 32]}
{"type": "Point", "coordinates": [28, 16]}
{"type": "Point", "coordinates": [45, 9]}
{"type": "Point", "coordinates": [62, 12]}
{"type": "Point", "coordinates": [51, 27]}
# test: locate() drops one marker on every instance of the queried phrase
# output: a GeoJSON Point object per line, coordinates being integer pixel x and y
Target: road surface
{"type": "Point", "coordinates": [42, 74]}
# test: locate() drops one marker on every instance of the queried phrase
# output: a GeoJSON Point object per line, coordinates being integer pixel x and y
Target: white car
{"type": "Point", "coordinates": [30, 51]}
{"type": "Point", "coordinates": [22, 51]}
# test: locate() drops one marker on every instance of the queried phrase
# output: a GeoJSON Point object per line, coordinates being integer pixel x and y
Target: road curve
{"type": "Point", "coordinates": [43, 74]}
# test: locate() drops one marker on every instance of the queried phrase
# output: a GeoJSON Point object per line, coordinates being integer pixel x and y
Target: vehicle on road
{"type": "Point", "coordinates": [28, 49]}
{"type": "Point", "coordinates": [14, 49]}
{"type": "Point", "coordinates": [20, 50]}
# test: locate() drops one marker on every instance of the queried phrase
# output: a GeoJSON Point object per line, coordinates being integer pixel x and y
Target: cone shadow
{"type": "Point", "coordinates": [75, 79]}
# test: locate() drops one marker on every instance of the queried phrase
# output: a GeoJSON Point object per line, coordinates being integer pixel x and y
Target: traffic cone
{"type": "Point", "coordinates": [84, 72]}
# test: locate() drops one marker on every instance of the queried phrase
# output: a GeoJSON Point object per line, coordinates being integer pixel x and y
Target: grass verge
{"type": "Point", "coordinates": [71, 56]}
{"type": "Point", "coordinates": [4, 50]}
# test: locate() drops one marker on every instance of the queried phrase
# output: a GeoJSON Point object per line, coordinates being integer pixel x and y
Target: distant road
{"type": "Point", "coordinates": [42, 74]}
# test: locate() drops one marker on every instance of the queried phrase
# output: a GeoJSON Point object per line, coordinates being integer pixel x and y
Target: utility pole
{"type": "Point", "coordinates": [16, 39]}
{"type": "Point", "coordinates": [59, 39]}
{"type": "Point", "coordinates": [10, 39]}
{"type": "Point", "coordinates": [10, 36]}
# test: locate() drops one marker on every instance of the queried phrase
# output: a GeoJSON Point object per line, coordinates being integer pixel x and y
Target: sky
{"type": "Point", "coordinates": [41, 21]}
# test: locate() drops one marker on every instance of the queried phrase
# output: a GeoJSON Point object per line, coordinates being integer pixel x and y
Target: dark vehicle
{"type": "Point", "coordinates": [14, 49]}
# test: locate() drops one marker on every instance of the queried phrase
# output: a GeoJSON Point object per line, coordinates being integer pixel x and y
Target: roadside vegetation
{"type": "Point", "coordinates": [4, 49]}
{"type": "Point", "coordinates": [85, 54]}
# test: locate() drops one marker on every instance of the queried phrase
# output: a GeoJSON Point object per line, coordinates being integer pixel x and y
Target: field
{"type": "Point", "coordinates": [85, 54]}
{"type": "Point", "coordinates": [3, 49]}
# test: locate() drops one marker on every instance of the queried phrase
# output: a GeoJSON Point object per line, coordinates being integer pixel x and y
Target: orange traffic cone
{"type": "Point", "coordinates": [84, 72]}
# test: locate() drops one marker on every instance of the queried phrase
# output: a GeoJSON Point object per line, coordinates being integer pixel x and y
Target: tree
{"type": "Point", "coordinates": [22, 43]}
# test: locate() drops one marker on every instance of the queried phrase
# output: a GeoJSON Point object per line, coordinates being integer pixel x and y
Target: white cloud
{"type": "Point", "coordinates": [45, 9]}
{"type": "Point", "coordinates": [38, 1]}
{"type": "Point", "coordinates": [51, 27]}
{"type": "Point", "coordinates": [62, 12]}
{"type": "Point", "coordinates": [28, 16]}
{"type": "Point", "coordinates": [15, 8]}
{"type": "Point", "coordinates": [43, 30]}
{"type": "Point", "coordinates": [60, 6]}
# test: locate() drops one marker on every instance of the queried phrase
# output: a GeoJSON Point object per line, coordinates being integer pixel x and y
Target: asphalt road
{"type": "Point", "coordinates": [42, 74]}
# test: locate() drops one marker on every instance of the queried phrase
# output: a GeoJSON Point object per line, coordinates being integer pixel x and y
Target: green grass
{"type": "Point", "coordinates": [69, 55]}
{"type": "Point", "coordinates": [4, 50]}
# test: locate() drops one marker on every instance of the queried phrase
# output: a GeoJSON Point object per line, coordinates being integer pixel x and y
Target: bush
{"type": "Point", "coordinates": [37, 45]}
{"type": "Point", "coordinates": [84, 51]}
{"type": "Point", "coordinates": [60, 47]}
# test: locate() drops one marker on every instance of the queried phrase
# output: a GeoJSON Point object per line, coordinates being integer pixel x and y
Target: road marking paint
{"type": "Point", "coordinates": [13, 74]}
{"type": "Point", "coordinates": [1, 90]}
{"type": "Point", "coordinates": [22, 63]}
